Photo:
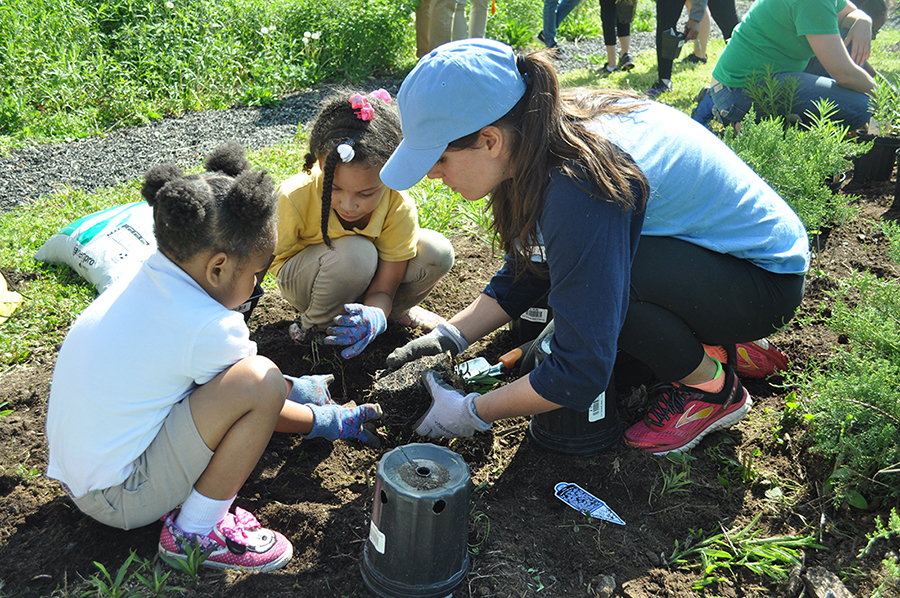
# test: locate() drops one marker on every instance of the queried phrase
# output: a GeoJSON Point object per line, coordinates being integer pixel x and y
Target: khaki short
{"type": "Point", "coordinates": [162, 477]}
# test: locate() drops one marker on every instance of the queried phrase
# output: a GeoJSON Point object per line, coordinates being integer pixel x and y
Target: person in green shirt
{"type": "Point", "coordinates": [778, 38]}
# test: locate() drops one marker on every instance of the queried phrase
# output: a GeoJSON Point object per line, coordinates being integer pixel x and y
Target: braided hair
{"type": "Point", "coordinates": [339, 123]}
{"type": "Point", "coordinates": [228, 208]}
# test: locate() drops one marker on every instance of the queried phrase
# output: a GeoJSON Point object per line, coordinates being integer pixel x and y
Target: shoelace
{"type": "Point", "coordinates": [671, 401]}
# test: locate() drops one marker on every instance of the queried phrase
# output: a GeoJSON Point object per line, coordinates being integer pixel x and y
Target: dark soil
{"type": "Point", "coordinates": [523, 541]}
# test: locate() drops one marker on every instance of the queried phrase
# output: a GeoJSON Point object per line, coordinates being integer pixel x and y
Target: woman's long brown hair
{"type": "Point", "coordinates": [546, 130]}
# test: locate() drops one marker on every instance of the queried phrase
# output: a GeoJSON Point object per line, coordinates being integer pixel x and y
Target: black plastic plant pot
{"type": "Point", "coordinates": [530, 324]}
{"type": "Point", "coordinates": [248, 306]}
{"type": "Point", "coordinates": [625, 10]}
{"type": "Point", "coordinates": [568, 431]}
{"type": "Point", "coordinates": [420, 522]}
{"type": "Point", "coordinates": [878, 163]}
{"type": "Point", "coordinates": [671, 44]}
{"type": "Point", "coordinates": [897, 185]}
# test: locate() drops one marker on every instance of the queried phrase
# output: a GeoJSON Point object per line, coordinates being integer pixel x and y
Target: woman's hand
{"type": "Point", "coordinates": [445, 337]}
{"type": "Point", "coordinates": [452, 414]}
{"type": "Point", "coordinates": [358, 328]}
{"type": "Point", "coordinates": [859, 41]}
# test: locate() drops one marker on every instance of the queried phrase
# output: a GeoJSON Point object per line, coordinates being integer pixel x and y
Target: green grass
{"type": "Point", "coordinates": [72, 68]}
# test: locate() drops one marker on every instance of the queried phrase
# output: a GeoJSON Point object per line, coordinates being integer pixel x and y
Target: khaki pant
{"type": "Point", "coordinates": [476, 24]}
{"type": "Point", "coordinates": [318, 281]}
{"type": "Point", "coordinates": [434, 24]}
{"type": "Point", "coordinates": [161, 479]}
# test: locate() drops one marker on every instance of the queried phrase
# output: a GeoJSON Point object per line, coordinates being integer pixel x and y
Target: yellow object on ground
{"type": "Point", "coordinates": [9, 301]}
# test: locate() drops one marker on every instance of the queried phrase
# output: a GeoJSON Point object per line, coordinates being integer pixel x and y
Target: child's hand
{"type": "Point", "coordinates": [333, 422]}
{"type": "Point", "coordinates": [311, 389]}
{"type": "Point", "coordinates": [359, 328]}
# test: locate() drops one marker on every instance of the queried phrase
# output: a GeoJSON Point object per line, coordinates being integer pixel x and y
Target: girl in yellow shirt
{"type": "Point", "coordinates": [350, 253]}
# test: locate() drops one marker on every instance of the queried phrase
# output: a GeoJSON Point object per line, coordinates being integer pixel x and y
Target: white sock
{"type": "Point", "coordinates": [666, 81]}
{"type": "Point", "coordinates": [200, 514]}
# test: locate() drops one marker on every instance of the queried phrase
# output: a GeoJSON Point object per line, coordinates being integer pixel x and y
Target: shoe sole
{"type": "Point", "coordinates": [270, 566]}
{"type": "Point", "coordinates": [723, 423]}
{"type": "Point", "coordinates": [626, 67]}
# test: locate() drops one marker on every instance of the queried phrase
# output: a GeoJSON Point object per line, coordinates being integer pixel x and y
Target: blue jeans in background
{"type": "Point", "coordinates": [555, 12]}
{"type": "Point", "coordinates": [853, 108]}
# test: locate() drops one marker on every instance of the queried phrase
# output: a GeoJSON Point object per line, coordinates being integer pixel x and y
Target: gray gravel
{"type": "Point", "coordinates": [125, 154]}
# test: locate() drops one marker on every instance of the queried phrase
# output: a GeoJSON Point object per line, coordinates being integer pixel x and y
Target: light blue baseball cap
{"type": "Point", "coordinates": [455, 90]}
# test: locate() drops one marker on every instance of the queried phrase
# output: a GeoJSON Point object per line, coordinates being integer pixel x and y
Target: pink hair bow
{"type": "Point", "coordinates": [382, 94]}
{"type": "Point", "coordinates": [364, 111]}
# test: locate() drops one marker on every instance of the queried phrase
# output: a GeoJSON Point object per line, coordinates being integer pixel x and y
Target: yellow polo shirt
{"type": "Point", "coordinates": [393, 227]}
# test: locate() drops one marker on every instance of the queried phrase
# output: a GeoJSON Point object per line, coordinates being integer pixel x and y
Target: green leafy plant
{"type": "Point", "coordinates": [772, 557]}
{"type": "Point", "coordinates": [677, 481]}
{"type": "Point", "coordinates": [155, 581]}
{"type": "Point", "coordinates": [882, 531]}
{"type": "Point", "coordinates": [105, 584]}
{"type": "Point", "coordinates": [890, 585]}
{"type": "Point", "coordinates": [850, 405]}
{"type": "Point", "coordinates": [191, 565]}
{"type": "Point", "coordinates": [886, 106]}
{"type": "Point", "coordinates": [76, 68]}
{"type": "Point", "coordinates": [891, 231]}
{"type": "Point", "coordinates": [516, 23]}
{"type": "Point", "coordinates": [815, 153]}
{"type": "Point", "coordinates": [771, 96]}
{"type": "Point", "coordinates": [582, 23]}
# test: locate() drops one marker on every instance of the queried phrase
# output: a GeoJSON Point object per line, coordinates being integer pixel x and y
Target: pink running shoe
{"type": "Point", "coordinates": [237, 542]}
{"type": "Point", "coordinates": [682, 415]}
{"type": "Point", "coordinates": [759, 359]}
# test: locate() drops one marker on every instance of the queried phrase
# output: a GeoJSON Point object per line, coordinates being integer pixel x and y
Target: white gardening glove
{"type": "Point", "coordinates": [445, 337]}
{"type": "Point", "coordinates": [451, 414]}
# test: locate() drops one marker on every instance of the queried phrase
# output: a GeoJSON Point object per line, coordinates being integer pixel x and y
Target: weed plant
{"type": "Point", "coordinates": [772, 557]}
{"type": "Point", "coordinates": [851, 404]}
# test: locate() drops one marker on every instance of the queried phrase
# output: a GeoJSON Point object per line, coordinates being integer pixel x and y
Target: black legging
{"type": "Point", "coordinates": [683, 295]}
{"type": "Point", "coordinates": [612, 28]}
{"type": "Point", "coordinates": [669, 11]}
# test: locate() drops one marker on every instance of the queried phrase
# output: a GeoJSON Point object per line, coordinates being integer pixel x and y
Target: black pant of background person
{"type": "Point", "coordinates": [612, 27]}
{"type": "Point", "coordinates": [668, 12]}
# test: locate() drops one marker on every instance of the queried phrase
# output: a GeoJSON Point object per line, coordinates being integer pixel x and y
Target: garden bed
{"type": "Point", "coordinates": [523, 541]}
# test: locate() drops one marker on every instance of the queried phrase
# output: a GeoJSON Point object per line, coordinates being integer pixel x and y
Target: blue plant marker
{"type": "Point", "coordinates": [583, 501]}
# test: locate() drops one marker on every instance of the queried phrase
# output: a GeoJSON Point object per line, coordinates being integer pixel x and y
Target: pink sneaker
{"type": "Point", "coordinates": [419, 317]}
{"type": "Point", "coordinates": [237, 542]}
{"type": "Point", "coordinates": [760, 359]}
{"type": "Point", "coordinates": [680, 416]}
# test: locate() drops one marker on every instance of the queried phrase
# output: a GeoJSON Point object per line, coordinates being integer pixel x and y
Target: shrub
{"type": "Point", "coordinates": [796, 162]}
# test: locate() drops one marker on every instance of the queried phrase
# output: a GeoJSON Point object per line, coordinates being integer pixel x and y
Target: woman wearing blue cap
{"type": "Point", "coordinates": [667, 250]}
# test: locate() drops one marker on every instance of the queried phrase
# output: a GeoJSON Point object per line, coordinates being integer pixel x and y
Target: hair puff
{"type": "Point", "coordinates": [157, 177]}
{"type": "Point", "coordinates": [184, 202]}
{"type": "Point", "coordinates": [252, 198]}
{"type": "Point", "coordinates": [228, 158]}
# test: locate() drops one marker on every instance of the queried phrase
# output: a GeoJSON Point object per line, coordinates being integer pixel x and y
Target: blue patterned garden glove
{"type": "Point", "coordinates": [311, 389]}
{"type": "Point", "coordinates": [333, 422]}
{"type": "Point", "coordinates": [358, 328]}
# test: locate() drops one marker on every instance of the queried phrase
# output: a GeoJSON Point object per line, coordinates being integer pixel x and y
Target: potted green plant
{"type": "Point", "coordinates": [878, 163]}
